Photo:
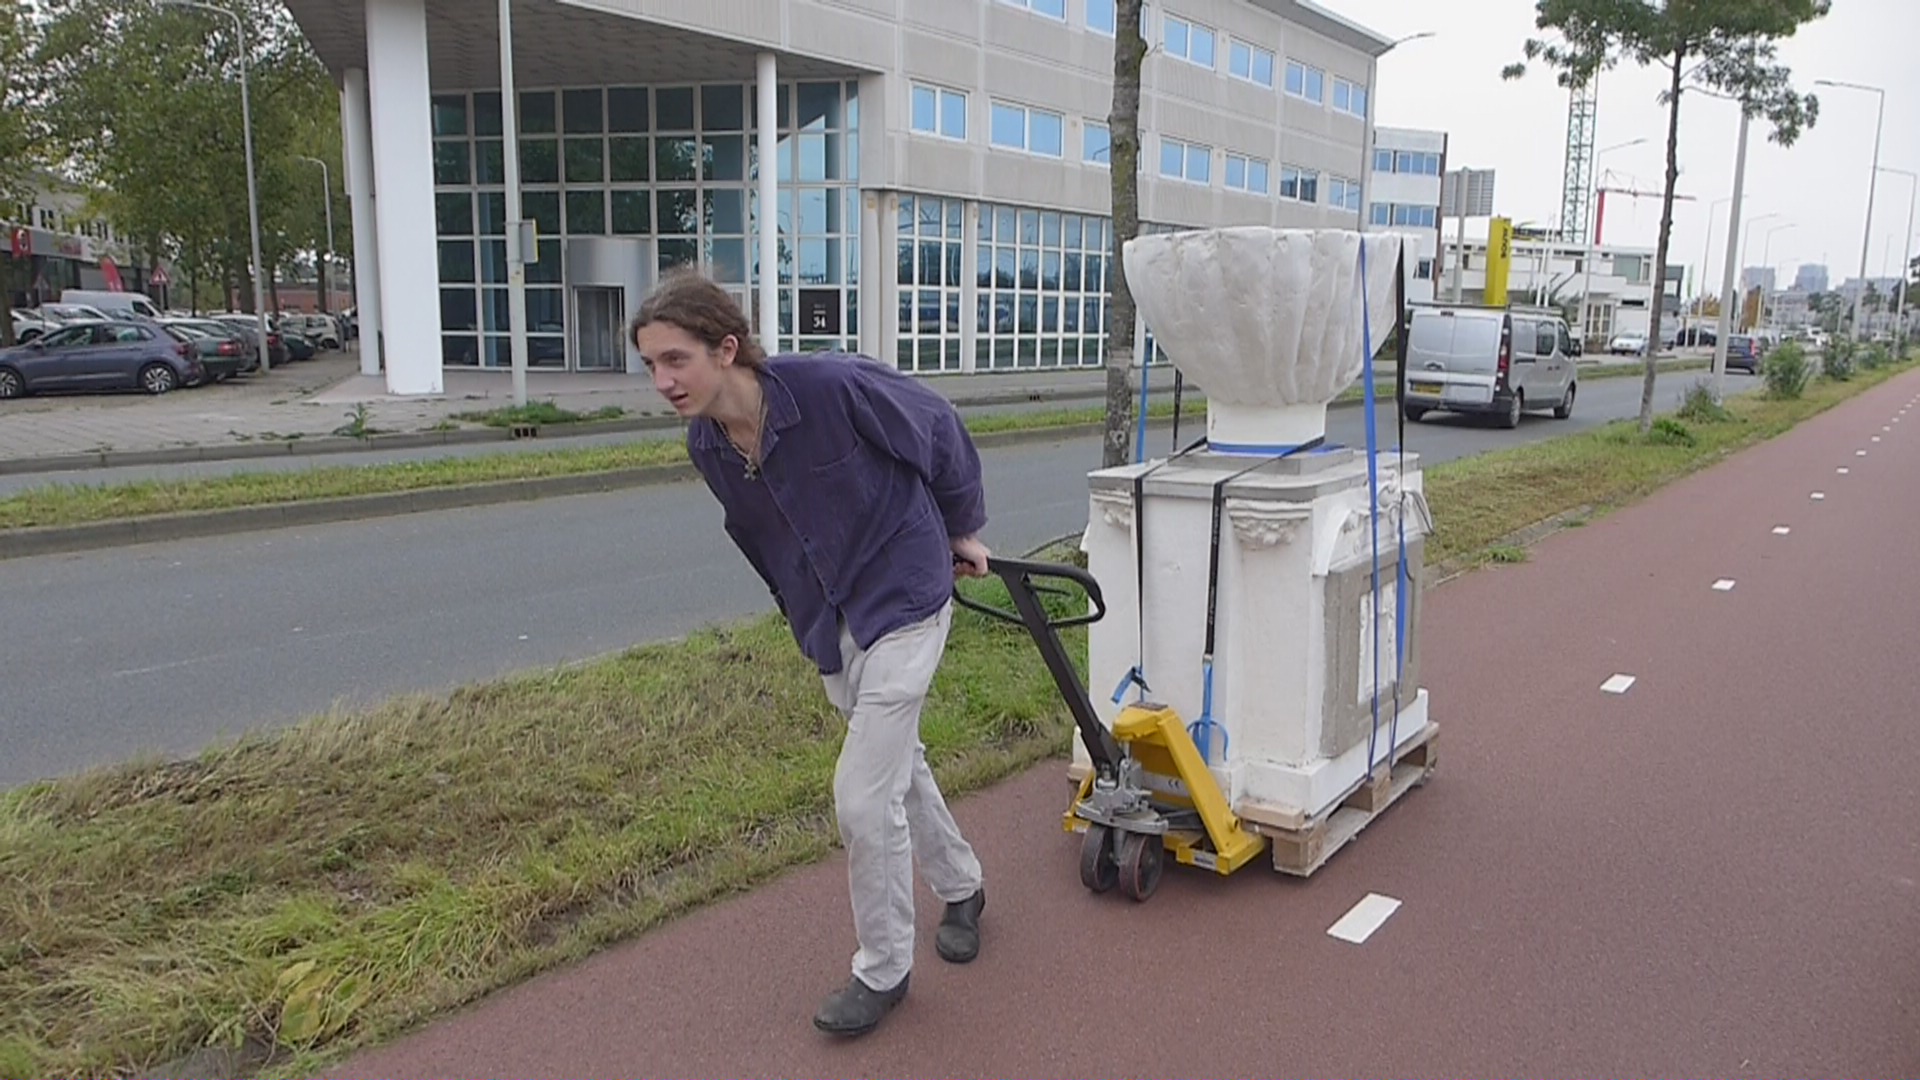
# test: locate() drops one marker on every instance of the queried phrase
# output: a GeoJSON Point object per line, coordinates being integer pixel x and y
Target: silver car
{"type": "Point", "coordinates": [1493, 361]}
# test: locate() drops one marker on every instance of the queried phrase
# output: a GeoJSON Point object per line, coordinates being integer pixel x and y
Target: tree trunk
{"type": "Point", "coordinates": [1666, 235]}
{"type": "Point", "coordinates": [6, 295]}
{"type": "Point", "coordinates": [273, 288]}
{"type": "Point", "coordinates": [1123, 129]}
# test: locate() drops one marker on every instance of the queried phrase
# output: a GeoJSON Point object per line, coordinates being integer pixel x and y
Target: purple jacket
{"type": "Point", "coordinates": [866, 474]}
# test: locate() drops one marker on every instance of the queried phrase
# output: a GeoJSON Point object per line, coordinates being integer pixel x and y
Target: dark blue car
{"type": "Point", "coordinates": [110, 354]}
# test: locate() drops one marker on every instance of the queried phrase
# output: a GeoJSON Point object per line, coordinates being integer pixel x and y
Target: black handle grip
{"type": "Point", "coordinates": [1019, 575]}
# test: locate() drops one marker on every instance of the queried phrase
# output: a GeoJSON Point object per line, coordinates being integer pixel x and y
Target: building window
{"type": "Point", "coordinates": [1185, 161]}
{"type": "Point", "coordinates": [1383, 161]}
{"type": "Point", "coordinates": [1100, 17]}
{"type": "Point", "coordinates": [1189, 41]}
{"type": "Point", "coordinates": [1306, 82]}
{"type": "Point", "coordinates": [1412, 216]}
{"type": "Point", "coordinates": [1380, 214]}
{"type": "Point", "coordinates": [1247, 174]}
{"type": "Point", "coordinates": [1042, 279]}
{"type": "Point", "coordinates": [1036, 131]}
{"type": "Point", "coordinates": [1409, 162]}
{"type": "Point", "coordinates": [939, 111]}
{"type": "Point", "coordinates": [1096, 144]}
{"type": "Point", "coordinates": [1301, 185]}
{"type": "Point", "coordinates": [931, 246]}
{"type": "Point", "coordinates": [1250, 62]}
{"type": "Point", "coordinates": [1343, 194]}
{"type": "Point", "coordinates": [1053, 9]}
{"type": "Point", "coordinates": [1350, 98]}
{"type": "Point", "coordinates": [1423, 270]}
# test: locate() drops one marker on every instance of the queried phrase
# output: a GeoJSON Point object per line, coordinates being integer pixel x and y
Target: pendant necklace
{"type": "Point", "coordinates": [752, 470]}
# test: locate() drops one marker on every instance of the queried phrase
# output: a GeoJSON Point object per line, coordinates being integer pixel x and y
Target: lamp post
{"type": "Point", "coordinates": [1586, 259]}
{"type": "Point", "coordinates": [253, 189]}
{"type": "Point", "coordinates": [519, 235]}
{"type": "Point", "coordinates": [1746, 244]}
{"type": "Point", "coordinates": [326, 186]}
{"type": "Point", "coordinates": [1906, 260]}
{"type": "Point", "coordinates": [1766, 264]}
{"type": "Point", "coordinates": [1706, 256]}
{"type": "Point", "coordinates": [1866, 237]}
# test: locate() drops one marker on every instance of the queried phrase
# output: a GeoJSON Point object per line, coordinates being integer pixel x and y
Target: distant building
{"type": "Point", "coordinates": [1553, 274]}
{"type": "Point", "coordinates": [1758, 277]}
{"type": "Point", "coordinates": [1405, 199]}
{"type": "Point", "coordinates": [70, 245]}
{"type": "Point", "coordinates": [1811, 278]}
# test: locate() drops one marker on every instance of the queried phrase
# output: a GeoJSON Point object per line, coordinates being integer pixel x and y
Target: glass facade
{"type": "Point", "coordinates": [674, 164]}
{"type": "Point", "coordinates": [1042, 280]}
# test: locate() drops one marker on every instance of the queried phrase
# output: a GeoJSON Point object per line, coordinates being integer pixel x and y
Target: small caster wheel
{"type": "Point", "coordinates": [1141, 858]}
{"type": "Point", "coordinates": [1098, 870]}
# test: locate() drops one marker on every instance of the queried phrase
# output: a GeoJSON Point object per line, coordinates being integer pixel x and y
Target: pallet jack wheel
{"type": "Point", "coordinates": [1141, 858]}
{"type": "Point", "coordinates": [1098, 870]}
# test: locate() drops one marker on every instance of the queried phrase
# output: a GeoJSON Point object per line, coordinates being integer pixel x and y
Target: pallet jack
{"type": "Point", "coordinates": [1150, 791]}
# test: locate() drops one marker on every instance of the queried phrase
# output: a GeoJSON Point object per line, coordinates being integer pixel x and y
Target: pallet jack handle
{"type": "Point", "coordinates": [1019, 575]}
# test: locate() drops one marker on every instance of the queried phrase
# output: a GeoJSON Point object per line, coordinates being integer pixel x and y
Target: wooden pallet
{"type": "Point", "coordinates": [1302, 845]}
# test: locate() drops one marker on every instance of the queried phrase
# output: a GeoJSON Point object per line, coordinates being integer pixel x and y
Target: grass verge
{"type": "Point", "coordinates": [538, 412]}
{"type": "Point", "coordinates": [298, 894]}
{"type": "Point", "coordinates": [80, 503]}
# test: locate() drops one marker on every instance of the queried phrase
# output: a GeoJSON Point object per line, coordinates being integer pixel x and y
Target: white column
{"type": "Point", "coordinates": [357, 142]}
{"type": "Point", "coordinates": [769, 223]}
{"type": "Point", "coordinates": [873, 296]}
{"type": "Point", "coordinates": [401, 108]}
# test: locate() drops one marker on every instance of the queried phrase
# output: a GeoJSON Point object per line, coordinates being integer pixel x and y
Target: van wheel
{"type": "Point", "coordinates": [1515, 406]}
{"type": "Point", "coordinates": [1565, 409]}
{"type": "Point", "coordinates": [1414, 413]}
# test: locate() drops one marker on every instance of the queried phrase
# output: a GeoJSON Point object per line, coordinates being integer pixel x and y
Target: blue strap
{"type": "Point", "coordinates": [1373, 498]}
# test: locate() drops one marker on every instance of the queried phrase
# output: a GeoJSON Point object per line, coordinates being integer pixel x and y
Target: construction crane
{"type": "Point", "coordinates": [1576, 185]}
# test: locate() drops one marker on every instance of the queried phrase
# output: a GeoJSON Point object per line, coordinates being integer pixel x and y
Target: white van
{"type": "Point", "coordinates": [113, 303]}
{"type": "Point", "coordinates": [1489, 360]}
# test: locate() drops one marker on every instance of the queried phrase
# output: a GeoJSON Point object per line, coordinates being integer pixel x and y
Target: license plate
{"type": "Point", "coordinates": [1426, 387]}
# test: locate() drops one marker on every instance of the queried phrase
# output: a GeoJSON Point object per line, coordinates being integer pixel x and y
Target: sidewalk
{"type": "Point", "coordinates": [1711, 873]}
{"type": "Point", "coordinates": [298, 408]}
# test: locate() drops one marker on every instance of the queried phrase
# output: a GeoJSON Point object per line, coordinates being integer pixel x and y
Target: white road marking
{"type": "Point", "coordinates": [1359, 923]}
{"type": "Point", "coordinates": [1618, 684]}
{"type": "Point", "coordinates": [1781, 530]}
{"type": "Point", "coordinates": [1818, 495]}
{"type": "Point", "coordinates": [1859, 453]}
{"type": "Point", "coordinates": [1876, 438]}
{"type": "Point", "coordinates": [1725, 584]}
{"type": "Point", "coordinates": [1842, 470]}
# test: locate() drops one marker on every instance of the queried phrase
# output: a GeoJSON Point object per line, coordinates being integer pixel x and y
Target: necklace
{"type": "Point", "coordinates": [752, 470]}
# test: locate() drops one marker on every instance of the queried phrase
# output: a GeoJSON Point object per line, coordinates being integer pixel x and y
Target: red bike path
{"type": "Point", "coordinates": [1716, 872]}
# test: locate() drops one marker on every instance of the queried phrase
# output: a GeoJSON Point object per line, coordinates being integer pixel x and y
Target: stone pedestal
{"type": "Point", "coordinates": [1293, 658]}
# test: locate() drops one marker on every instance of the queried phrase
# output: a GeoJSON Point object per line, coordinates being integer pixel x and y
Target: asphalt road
{"type": "Point", "coordinates": [164, 648]}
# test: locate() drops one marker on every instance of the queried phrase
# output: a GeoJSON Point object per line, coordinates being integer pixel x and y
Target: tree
{"type": "Point", "coordinates": [1123, 129]}
{"type": "Point", "coordinates": [20, 136]}
{"type": "Point", "coordinates": [144, 105]}
{"type": "Point", "coordinates": [1730, 47]}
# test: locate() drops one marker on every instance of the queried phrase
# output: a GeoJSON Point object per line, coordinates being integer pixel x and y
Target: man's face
{"type": "Point", "coordinates": [685, 371]}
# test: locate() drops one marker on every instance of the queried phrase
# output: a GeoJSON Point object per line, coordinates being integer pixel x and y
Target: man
{"type": "Point", "coordinates": [855, 492]}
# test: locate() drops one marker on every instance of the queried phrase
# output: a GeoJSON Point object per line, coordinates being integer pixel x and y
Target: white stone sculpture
{"type": "Point", "coordinates": [1267, 321]}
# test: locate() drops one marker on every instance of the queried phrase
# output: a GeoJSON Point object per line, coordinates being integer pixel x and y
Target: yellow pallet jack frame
{"type": "Point", "coordinates": [1150, 792]}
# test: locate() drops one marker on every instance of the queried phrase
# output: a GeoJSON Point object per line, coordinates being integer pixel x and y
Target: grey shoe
{"type": "Point", "coordinates": [958, 940]}
{"type": "Point", "coordinates": [858, 1008]}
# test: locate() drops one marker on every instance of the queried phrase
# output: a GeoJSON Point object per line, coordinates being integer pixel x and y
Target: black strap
{"type": "Point", "coordinates": [1219, 506]}
{"type": "Point", "coordinates": [1179, 384]}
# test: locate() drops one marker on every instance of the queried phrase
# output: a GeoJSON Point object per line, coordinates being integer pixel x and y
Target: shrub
{"type": "Point", "coordinates": [1786, 371]}
{"type": "Point", "coordinates": [1700, 408]}
{"type": "Point", "coordinates": [1837, 362]}
{"type": "Point", "coordinates": [1667, 431]}
{"type": "Point", "coordinates": [1875, 356]}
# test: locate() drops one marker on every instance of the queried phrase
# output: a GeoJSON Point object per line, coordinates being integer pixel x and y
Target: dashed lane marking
{"type": "Point", "coordinates": [1359, 923]}
{"type": "Point", "coordinates": [1619, 684]}
{"type": "Point", "coordinates": [1781, 530]}
{"type": "Point", "coordinates": [1725, 584]}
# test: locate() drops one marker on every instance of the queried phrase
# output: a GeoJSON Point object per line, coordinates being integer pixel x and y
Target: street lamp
{"type": "Point", "coordinates": [518, 233]}
{"type": "Point", "coordinates": [1766, 265]}
{"type": "Point", "coordinates": [253, 189]}
{"type": "Point", "coordinates": [326, 187]}
{"type": "Point", "coordinates": [1866, 238]}
{"type": "Point", "coordinates": [1906, 263]}
{"type": "Point", "coordinates": [1586, 260]}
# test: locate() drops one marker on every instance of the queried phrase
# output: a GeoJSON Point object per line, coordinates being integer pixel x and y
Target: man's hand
{"type": "Point", "coordinates": [969, 557]}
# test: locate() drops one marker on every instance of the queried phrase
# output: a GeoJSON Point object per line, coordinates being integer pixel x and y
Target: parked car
{"type": "Point", "coordinates": [27, 326]}
{"type": "Point", "coordinates": [322, 330]}
{"type": "Point", "coordinates": [1744, 351]}
{"type": "Point", "coordinates": [223, 350]}
{"type": "Point", "coordinates": [250, 326]}
{"type": "Point", "coordinates": [101, 355]}
{"type": "Point", "coordinates": [1628, 345]}
{"type": "Point", "coordinates": [1488, 360]}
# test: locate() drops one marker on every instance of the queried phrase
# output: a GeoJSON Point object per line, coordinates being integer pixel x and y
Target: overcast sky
{"type": "Point", "coordinates": [1452, 83]}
